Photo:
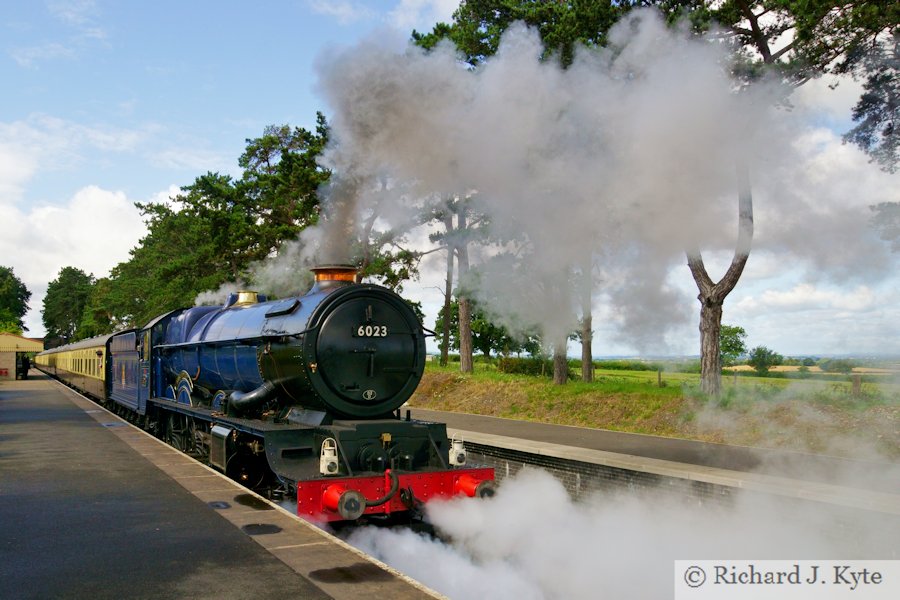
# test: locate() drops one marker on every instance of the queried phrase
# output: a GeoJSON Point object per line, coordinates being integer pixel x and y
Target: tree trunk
{"type": "Point", "coordinates": [560, 363]}
{"type": "Point", "coordinates": [465, 335]}
{"type": "Point", "coordinates": [465, 307]}
{"type": "Point", "coordinates": [448, 292]}
{"type": "Point", "coordinates": [712, 295]}
{"type": "Point", "coordinates": [587, 334]}
{"type": "Point", "coordinates": [710, 324]}
{"type": "Point", "coordinates": [587, 357]}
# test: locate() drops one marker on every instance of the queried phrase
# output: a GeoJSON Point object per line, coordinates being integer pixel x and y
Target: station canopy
{"type": "Point", "coordinates": [10, 342]}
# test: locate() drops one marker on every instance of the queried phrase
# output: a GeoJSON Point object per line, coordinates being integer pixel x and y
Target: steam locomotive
{"type": "Point", "coordinates": [299, 397]}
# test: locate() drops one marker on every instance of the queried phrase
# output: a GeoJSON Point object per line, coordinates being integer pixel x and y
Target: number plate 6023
{"type": "Point", "coordinates": [372, 331]}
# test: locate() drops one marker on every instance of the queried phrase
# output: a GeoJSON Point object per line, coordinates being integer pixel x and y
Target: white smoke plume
{"type": "Point", "coordinates": [531, 541]}
{"type": "Point", "coordinates": [219, 296]}
{"type": "Point", "coordinates": [285, 274]}
{"type": "Point", "coordinates": [625, 159]}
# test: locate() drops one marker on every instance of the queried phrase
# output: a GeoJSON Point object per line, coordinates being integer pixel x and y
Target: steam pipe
{"type": "Point", "coordinates": [242, 402]}
{"type": "Point", "coordinates": [395, 485]}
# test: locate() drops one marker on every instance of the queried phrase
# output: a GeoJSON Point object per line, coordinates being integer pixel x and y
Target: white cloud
{"type": "Point", "coordinates": [405, 16]}
{"type": "Point", "coordinates": [805, 297]}
{"type": "Point", "coordinates": [91, 227]}
{"type": "Point", "coordinates": [165, 195]}
{"type": "Point", "coordinates": [345, 12]}
{"type": "Point", "coordinates": [813, 211]}
{"type": "Point", "coordinates": [92, 231]}
{"type": "Point", "coordinates": [192, 159]}
{"type": "Point", "coordinates": [80, 16]}
{"type": "Point", "coordinates": [73, 12]}
{"type": "Point", "coordinates": [29, 56]}
{"type": "Point", "coordinates": [55, 143]}
{"type": "Point", "coordinates": [50, 143]}
{"type": "Point", "coordinates": [17, 166]}
{"type": "Point", "coordinates": [829, 95]}
{"type": "Point", "coordinates": [422, 14]}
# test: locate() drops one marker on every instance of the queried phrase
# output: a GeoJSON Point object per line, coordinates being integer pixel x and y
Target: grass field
{"type": "Point", "coordinates": [803, 414]}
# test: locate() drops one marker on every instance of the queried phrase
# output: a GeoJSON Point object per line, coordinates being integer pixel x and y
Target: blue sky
{"type": "Point", "coordinates": [106, 103]}
{"type": "Point", "coordinates": [169, 89]}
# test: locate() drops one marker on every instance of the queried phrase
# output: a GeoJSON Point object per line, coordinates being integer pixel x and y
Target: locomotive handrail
{"type": "Point", "coordinates": [249, 340]}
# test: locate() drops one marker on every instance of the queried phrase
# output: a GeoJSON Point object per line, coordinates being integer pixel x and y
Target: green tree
{"type": "Point", "coordinates": [98, 317]}
{"type": "Point", "coordinates": [487, 336]}
{"type": "Point", "coordinates": [837, 365]}
{"type": "Point", "coordinates": [281, 179]}
{"type": "Point", "coordinates": [801, 40]}
{"type": "Point", "coordinates": [762, 359]}
{"type": "Point", "coordinates": [461, 227]}
{"type": "Point", "coordinates": [218, 227]}
{"type": "Point", "coordinates": [67, 295]}
{"type": "Point", "coordinates": [383, 255]}
{"type": "Point", "coordinates": [14, 297]}
{"type": "Point", "coordinates": [478, 26]}
{"type": "Point", "coordinates": [731, 344]}
{"type": "Point", "coordinates": [887, 221]}
{"type": "Point", "coordinates": [182, 255]}
{"type": "Point", "coordinates": [877, 112]}
{"type": "Point", "coordinates": [9, 325]}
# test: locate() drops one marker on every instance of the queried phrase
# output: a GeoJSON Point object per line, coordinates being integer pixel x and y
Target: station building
{"type": "Point", "coordinates": [12, 348]}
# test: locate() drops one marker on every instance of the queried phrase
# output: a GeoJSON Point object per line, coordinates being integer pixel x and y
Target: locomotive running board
{"type": "Point", "coordinates": [255, 427]}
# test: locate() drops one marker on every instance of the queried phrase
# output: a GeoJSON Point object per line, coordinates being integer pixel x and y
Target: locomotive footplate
{"type": "Point", "coordinates": [348, 498]}
{"type": "Point", "coordinates": [254, 426]}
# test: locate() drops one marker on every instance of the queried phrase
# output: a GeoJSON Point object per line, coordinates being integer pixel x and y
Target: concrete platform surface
{"type": "Point", "coordinates": [91, 507]}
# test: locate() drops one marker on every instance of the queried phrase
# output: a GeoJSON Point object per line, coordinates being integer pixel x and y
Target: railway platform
{"type": "Point", "coordinates": [91, 507]}
{"type": "Point", "coordinates": [858, 484]}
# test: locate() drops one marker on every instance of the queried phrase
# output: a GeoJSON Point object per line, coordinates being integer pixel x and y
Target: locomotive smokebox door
{"type": "Point", "coordinates": [368, 354]}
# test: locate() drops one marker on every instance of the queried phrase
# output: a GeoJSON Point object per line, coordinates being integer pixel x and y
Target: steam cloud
{"type": "Point", "coordinates": [625, 159]}
{"type": "Point", "coordinates": [628, 157]}
{"type": "Point", "coordinates": [531, 541]}
{"type": "Point", "coordinates": [614, 166]}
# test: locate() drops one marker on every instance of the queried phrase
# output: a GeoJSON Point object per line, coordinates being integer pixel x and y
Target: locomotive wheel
{"type": "Point", "coordinates": [247, 469]}
{"type": "Point", "coordinates": [180, 432]}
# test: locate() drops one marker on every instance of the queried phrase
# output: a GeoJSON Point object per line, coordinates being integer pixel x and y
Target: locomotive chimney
{"type": "Point", "coordinates": [330, 276]}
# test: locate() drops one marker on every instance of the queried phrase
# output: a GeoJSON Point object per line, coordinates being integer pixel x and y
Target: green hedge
{"type": "Point", "coordinates": [528, 366]}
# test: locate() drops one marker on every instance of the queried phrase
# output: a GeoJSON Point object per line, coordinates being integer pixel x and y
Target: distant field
{"type": "Point", "coordinates": [815, 369]}
{"type": "Point", "coordinates": [811, 414]}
